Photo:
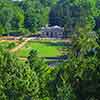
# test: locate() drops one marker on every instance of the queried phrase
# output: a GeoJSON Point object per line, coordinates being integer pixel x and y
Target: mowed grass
{"type": "Point", "coordinates": [44, 49]}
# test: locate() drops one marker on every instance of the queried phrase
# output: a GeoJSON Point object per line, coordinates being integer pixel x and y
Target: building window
{"type": "Point", "coordinates": [51, 34]}
{"type": "Point", "coordinates": [47, 33]}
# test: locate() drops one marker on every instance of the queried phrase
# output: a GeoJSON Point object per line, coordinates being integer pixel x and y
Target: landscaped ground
{"type": "Point", "coordinates": [45, 48]}
{"type": "Point", "coordinates": [5, 44]}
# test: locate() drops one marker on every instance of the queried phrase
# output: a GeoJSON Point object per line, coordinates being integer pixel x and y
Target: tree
{"type": "Point", "coordinates": [11, 18]}
{"type": "Point", "coordinates": [35, 12]}
{"type": "Point", "coordinates": [34, 15]}
{"type": "Point", "coordinates": [81, 68]}
{"type": "Point", "coordinates": [21, 80]}
{"type": "Point", "coordinates": [73, 16]}
{"type": "Point", "coordinates": [17, 79]}
{"type": "Point", "coordinates": [42, 71]}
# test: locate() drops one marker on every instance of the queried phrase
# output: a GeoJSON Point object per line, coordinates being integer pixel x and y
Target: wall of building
{"type": "Point", "coordinates": [52, 32]}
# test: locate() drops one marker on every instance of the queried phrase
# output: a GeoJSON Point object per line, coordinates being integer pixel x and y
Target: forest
{"type": "Point", "coordinates": [25, 16]}
{"type": "Point", "coordinates": [78, 77]}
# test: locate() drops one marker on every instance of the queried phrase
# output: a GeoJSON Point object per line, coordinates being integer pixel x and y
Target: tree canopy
{"type": "Point", "coordinates": [75, 16]}
{"type": "Point", "coordinates": [78, 77]}
{"type": "Point", "coordinates": [26, 16]}
{"type": "Point", "coordinates": [11, 17]}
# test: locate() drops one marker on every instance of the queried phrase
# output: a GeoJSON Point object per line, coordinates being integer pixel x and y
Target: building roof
{"type": "Point", "coordinates": [52, 27]}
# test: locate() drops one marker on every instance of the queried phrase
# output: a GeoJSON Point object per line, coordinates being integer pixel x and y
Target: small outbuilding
{"type": "Point", "coordinates": [52, 32]}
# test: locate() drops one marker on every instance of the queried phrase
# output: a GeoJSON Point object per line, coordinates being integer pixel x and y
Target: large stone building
{"type": "Point", "coordinates": [52, 32]}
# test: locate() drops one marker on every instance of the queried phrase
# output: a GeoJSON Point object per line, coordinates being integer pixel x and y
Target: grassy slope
{"type": "Point", "coordinates": [6, 43]}
{"type": "Point", "coordinates": [43, 49]}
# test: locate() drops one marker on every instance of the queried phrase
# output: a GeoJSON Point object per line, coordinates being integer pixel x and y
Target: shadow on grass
{"type": "Point", "coordinates": [63, 44]}
{"type": "Point", "coordinates": [64, 57]}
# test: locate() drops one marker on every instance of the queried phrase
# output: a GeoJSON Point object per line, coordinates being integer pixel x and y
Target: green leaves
{"type": "Point", "coordinates": [17, 78]}
{"type": "Point", "coordinates": [25, 16]}
{"type": "Point", "coordinates": [42, 71]}
{"type": "Point", "coordinates": [35, 12]}
{"type": "Point", "coordinates": [11, 17]}
{"type": "Point", "coordinates": [81, 67]}
{"type": "Point", "coordinates": [75, 16]}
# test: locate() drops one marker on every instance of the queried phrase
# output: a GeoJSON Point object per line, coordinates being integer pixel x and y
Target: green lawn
{"type": "Point", "coordinates": [44, 48]}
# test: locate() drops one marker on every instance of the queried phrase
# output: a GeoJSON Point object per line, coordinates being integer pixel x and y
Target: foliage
{"type": "Point", "coordinates": [35, 12]}
{"type": "Point", "coordinates": [26, 16]}
{"type": "Point", "coordinates": [81, 68]}
{"type": "Point", "coordinates": [23, 80]}
{"type": "Point", "coordinates": [43, 72]}
{"type": "Point", "coordinates": [18, 79]}
{"type": "Point", "coordinates": [11, 45]}
{"type": "Point", "coordinates": [11, 17]}
{"type": "Point", "coordinates": [78, 78]}
{"type": "Point", "coordinates": [75, 15]}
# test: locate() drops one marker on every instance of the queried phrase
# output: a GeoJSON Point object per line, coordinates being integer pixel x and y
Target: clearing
{"type": "Point", "coordinates": [45, 48]}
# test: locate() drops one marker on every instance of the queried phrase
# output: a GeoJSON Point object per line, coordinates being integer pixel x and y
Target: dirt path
{"type": "Point", "coordinates": [19, 46]}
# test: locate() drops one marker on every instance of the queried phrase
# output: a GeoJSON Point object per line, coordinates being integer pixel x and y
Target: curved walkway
{"type": "Point", "coordinates": [20, 45]}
